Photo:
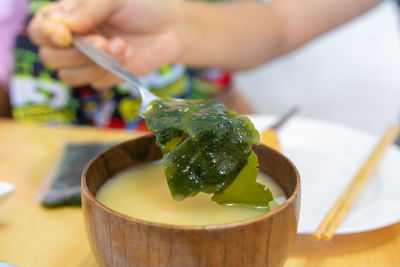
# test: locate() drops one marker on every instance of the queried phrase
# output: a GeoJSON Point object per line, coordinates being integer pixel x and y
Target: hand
{"type": "Point", "coordinates": [142, 34]}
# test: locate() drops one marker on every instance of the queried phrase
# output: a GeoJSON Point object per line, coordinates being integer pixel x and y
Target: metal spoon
{"type": "Point", "coordinates": [111, 64]}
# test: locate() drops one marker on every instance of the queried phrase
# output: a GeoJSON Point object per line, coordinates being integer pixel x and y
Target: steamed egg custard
{"type": "Point", "coordinates": [143, 193]}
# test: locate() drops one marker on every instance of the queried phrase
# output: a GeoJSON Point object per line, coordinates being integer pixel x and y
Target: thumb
{"type": "Point", "coordinates": [81, 16]}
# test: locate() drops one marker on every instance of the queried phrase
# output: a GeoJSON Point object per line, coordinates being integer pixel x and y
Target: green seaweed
{"type": "Point", "coordinates": [205, 147]}
{"type": "Point", "coordinates": [245, 189]}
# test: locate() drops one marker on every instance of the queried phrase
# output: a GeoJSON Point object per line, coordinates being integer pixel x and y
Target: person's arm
{"type": "Point", "coordinates": [146, 34]}
{"type": "Point", "coordinates": [242, 35]}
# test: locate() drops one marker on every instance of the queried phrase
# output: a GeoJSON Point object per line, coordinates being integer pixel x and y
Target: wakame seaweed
{"type": "Point", "coordinates": [205, 145]}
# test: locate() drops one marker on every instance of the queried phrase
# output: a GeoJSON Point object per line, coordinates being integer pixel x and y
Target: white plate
{"type": "Point", "coordinates": [327, 156]}
{"type": "Point", "coordinates": [5, 190]}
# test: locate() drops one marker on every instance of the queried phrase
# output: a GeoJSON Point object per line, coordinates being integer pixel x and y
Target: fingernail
{"type": "Point", "coordinates": [98, 43]}
{"type": "Point", "coordinates": [58, 40]}
{"type": "Point", "coordinates": [54, 37]}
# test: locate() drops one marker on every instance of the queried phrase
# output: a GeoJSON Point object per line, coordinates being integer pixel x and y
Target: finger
{"type": "Point", "coordinates": [107, 81]}
{"type": "Point", "coordinates": [58, 58]}
{"type": "Point", "coordinates": [81, 76]}
{"type": "Point", "coordinates": [53, 24]}
{"type": "Point", "coordinates": [82, 16]}
{"type": "Point", "coordinates": [70, 57]}
{"type": "Point", "coordinates": [98, 40]}
{"type": "Point", "coordinates": [93, 74]}
{"type": "Point", "coordinates": [117, 48]}
{"type": "Point", "coordinates": [43, 31]}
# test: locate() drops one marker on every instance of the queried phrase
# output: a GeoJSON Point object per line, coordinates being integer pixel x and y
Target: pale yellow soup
{"type": "Point", "coordinates": [143, 193]}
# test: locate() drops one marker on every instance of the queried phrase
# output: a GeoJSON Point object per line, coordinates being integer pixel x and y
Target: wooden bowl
{"type": "Point", "coordinates": [119, 240]}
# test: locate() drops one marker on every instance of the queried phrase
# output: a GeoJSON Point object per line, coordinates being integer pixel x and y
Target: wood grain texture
{"type": "Point", "coordinates": [119, 240]}
{"type": "Point", "coordinates": [31, 236]}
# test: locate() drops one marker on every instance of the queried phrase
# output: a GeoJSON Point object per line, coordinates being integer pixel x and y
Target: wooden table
{"type": "Point", "coordinates": [34, 236]}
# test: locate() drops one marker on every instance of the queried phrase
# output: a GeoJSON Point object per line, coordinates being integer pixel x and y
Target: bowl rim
{"type": "Point", "coordinates": [85, 192]}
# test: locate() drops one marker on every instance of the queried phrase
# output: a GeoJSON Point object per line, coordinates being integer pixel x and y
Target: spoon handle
{"type": "Point", "coordinates": [111, 64]}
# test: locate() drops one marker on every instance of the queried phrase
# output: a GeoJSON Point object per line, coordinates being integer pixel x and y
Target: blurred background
{"type": "Point", "coordinates": [351, 75]}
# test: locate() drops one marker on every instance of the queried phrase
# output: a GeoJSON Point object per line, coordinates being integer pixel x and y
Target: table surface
{"type": "Point", "coordinates": [31, 235]}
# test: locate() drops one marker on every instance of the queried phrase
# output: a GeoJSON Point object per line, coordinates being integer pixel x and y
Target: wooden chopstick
{"type": "Point", "coordinates": [332, 220]}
